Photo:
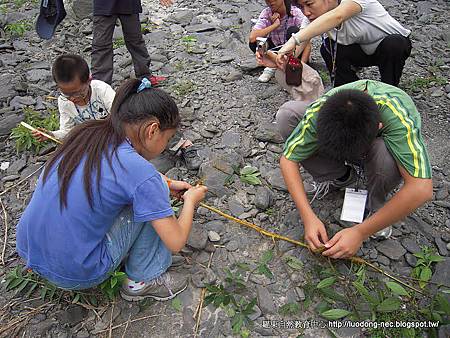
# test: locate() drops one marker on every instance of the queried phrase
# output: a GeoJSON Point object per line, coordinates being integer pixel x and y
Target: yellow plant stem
{"type": "Point", "coordinates": [273, 235]}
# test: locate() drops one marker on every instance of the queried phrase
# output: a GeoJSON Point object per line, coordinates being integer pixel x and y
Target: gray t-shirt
{"type": "Point", "coordinates": [369, 27]}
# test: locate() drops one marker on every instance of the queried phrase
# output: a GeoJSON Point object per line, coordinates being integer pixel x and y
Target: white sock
{"type": "Point", "coordinates": [134, 286]}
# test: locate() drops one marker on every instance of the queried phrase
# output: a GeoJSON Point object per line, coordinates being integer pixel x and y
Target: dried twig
{"type": "Point", "coordinates": [5, 238]}
{"type": "Point", "coordinates": [21, 181]}
{"type": "Point", "coordinates": [110, 320]}
{"type": "Point", "coordinates": [126, 326]}
{"type": "Point", "coordinates": [125, 323]}
{"type": "Point", "coordinates": [198, 311]}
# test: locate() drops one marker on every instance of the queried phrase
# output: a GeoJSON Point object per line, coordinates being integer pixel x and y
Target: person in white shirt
{"type": "Point", "coordinates": [358, 33]}
{"type": "Point", "coordinates": [81, 98]}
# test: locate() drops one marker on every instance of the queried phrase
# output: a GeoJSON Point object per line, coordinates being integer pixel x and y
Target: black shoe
{"type": "Point", "coordinates": [191, 157]}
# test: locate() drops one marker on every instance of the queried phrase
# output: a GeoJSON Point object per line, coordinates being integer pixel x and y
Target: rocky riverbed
{"type": "Point", "coordinates": [202, 48]}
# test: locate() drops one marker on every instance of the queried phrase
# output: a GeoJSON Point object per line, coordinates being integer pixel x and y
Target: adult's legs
{"type": "Point", "coordinates": [102, 47]}
{"type": "Point", "coordinates": [391, 55]}
{"type": "Point", "coordinates": [321, 168]}
{"type": "Point", "coordinates": [346, 57]}
{"type": "Point", "coordinates": [382, 174]}
{"type": "Point", "coordinates": [135, 43]}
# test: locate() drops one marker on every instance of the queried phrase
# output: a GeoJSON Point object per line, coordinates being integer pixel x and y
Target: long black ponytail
{"type": "Point", "coordinates": [97, 138]}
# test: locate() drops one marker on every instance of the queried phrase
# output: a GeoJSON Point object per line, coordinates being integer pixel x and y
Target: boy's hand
{"type": "Point", "coordinates": [195, 194]}
{"type": "Point", "coordinates": [166, 3]}
{"type": "Point", "coordinates": [344, 244]}
{"type": "Point", "coordinates": [177, 188]}
{"type": "Point", "coordinates": [315, 233]}
{"type": "Point", "coordinates": [39, 137]}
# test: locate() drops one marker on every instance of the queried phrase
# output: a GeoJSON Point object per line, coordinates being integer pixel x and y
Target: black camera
{"type": "Point", "coordinates": [261, 45]}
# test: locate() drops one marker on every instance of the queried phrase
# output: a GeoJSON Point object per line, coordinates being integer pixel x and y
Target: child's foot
{"type": "Point", "coordinates": [267, 74]}
{"type": "Point", "coordinates": [164, 287]}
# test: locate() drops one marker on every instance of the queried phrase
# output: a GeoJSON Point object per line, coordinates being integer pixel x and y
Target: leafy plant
{"type": "Point", "coordinates": [189, 42]}
{"type": "Point", "coordinates": [183, 87]}
{"type": "Point", "coordinates": [119, 42]}
{"type": "Point", "coordinates": [421, 83]}
{"type": "Point", "coordinates": [250, 175]}
{"type": "Point", "coordinates": [325, 76]}
{"type": "Point", "coordinates": [17, 29]}
{"type": "Point", "coordinates": [293, 263]}
{"type": "Point", "coordinates": [24, 138]}
{"type": "Point", "coordinates": [177, 304]}
{"type": "Point", "coordinates": [422, 271]}
{"type": "Point", "coordinates": [262, 267]}
{"type": "Point", "coordinates": [110, 287]}
{"type": "Point", "coordinates": [25, 283]}
{"type": "Point", "coordinates": [289, 309]}
{"type": "Point", "coordinates": [227, 296]}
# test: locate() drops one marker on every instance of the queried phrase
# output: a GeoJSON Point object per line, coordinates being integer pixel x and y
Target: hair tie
{"type": "Point", "coordinates": [145, 83]}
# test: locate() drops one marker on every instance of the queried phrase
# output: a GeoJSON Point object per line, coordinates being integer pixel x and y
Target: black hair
{"type": "Point", "coordinates": [68, 67]}
{"type": "Point", "coordinates": [288, 5]}
{"type": "Point", "coordinates": [97, 138]}
{"type": "Point", "coordinates": [347, 124]}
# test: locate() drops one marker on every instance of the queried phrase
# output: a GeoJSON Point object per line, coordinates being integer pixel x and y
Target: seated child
{"type": "Point", "coordinates": [277, 22]}
{"type": "Point", "coordinates": [100, 201]}
{"type": "Point", "coordinates": [81, 98]}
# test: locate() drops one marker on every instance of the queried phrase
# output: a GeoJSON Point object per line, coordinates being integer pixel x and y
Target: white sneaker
{"type": "Point", "coordinates": [383, 233]}
{"type": "Point", "coordinates": [267, 74]}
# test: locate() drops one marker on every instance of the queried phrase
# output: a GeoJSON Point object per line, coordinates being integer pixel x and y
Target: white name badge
{"type": "Point", "coordinates": [354, 205]}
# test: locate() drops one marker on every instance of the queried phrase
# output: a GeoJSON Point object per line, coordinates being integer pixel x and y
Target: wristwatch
{"type": "Point", "coordinates": [297, 41]}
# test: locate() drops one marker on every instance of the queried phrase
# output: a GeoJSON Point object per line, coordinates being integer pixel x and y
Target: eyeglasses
{"type": "Point", "coordinates": [81, 94]}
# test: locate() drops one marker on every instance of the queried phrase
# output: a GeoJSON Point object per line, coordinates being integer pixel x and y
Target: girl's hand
{"type": "Point", "coordinates": [39, 137]}
{"type": "Point", "coordinates": [263, 60]}
{"type": "Point", "coordinates": [177, 188]}
{"type": "Point", "coordinates": [166, 3]}
{"type": "Point", "coordinates": [195, 194]}
{"type": "Point", "coordinates": [281, 61]}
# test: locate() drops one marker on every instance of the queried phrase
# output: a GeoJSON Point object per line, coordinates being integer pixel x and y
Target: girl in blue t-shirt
{"type": "Point", "coordinates": [100, 202]}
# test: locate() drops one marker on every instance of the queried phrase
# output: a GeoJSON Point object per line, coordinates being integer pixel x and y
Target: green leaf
{"type": "Point", "coordinates": [332, 295]}
{"type": "Point", "coordinates": [76, 299]}
{"type": "Point", "coordinates": [22, 286]}
{"type": "Point", "coordinates": [435, 258]}
{"type": "Point", "coordinates": [365, 293]}
{"type": "Point", "coordinates": [248, 170]}
{"type": "Point", "coordinates": [250, 179]}
{"type": "Point", "coordinates": [177, 304]}
{"type": "Point", "coordinates": [389, 305]}
{"type": "Point", "coordinates": [326, 282]}
{"type": "Point", "coordinates": [264, 270]}
{"type": "Point", "coordinates": [44, 292]}
{"type": "Point", "coordinates": [30, 290]}
{"type": "Point", "coordinates": [248, 310]}
{"type": "Point", "coordinates": [237, 322]}
{"type": "Point", "coordinates": [419, 255]}
{"type": "Point", "coordinates": [397, 289]}
{"type": "Point", "coordinates": [294, 263]}
{"type": "Point", "coordinates": [425, 274]}
{"type": "Point", "coordinates": [15, 283]}
{"type": "Point", "coordinates": [208, 300]}
{"type": "Point", "coordinates": [93, 300]}
{"type": "Point", "coordinates": [442, 304]}
{"type": "Point", "coordinates": [267, 257]}
{"type": "Point", "coordinates": [334, 314]}
{"type": "Point", "coordinates": [113, 282]}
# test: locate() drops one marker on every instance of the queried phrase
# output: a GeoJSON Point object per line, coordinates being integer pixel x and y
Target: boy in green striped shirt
{"type": "Point", "coordinates": [368, 124]}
